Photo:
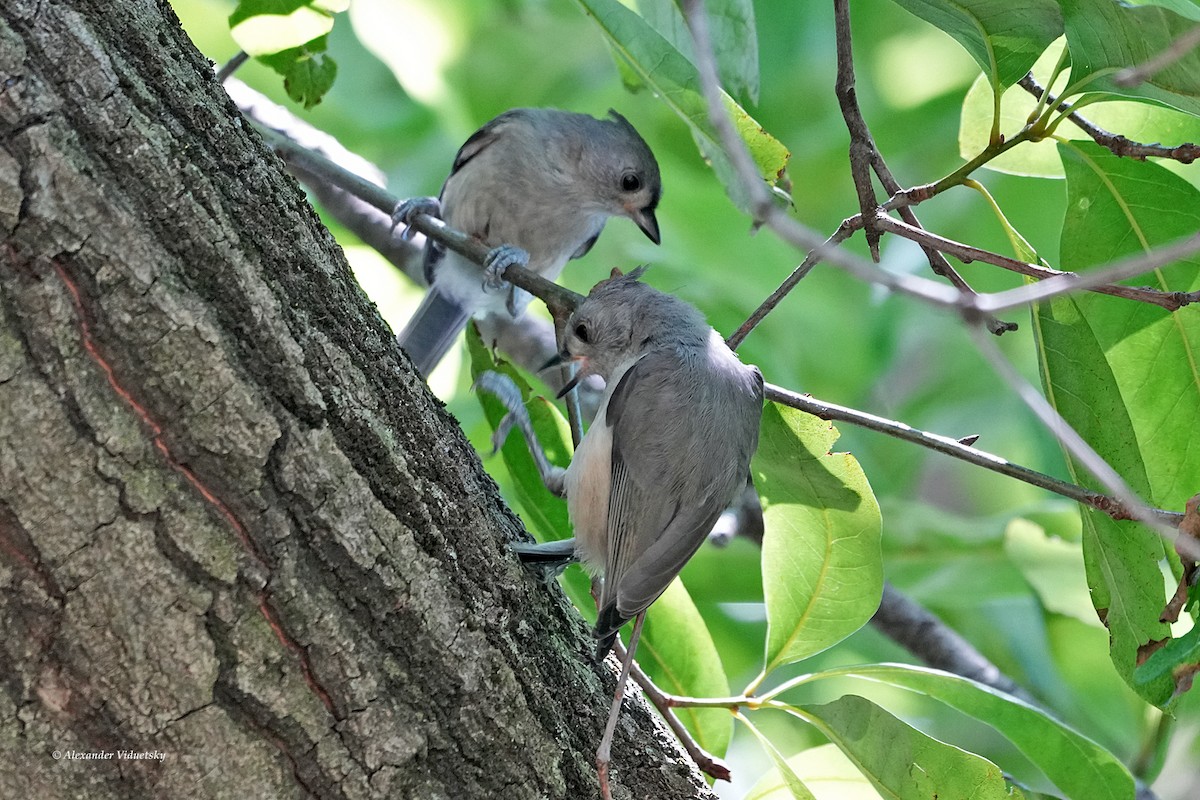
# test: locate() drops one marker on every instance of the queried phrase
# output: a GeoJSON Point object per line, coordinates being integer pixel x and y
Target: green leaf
{"type": "Point", "coordinates": [261, 27]}
{"type": "Point", "coordinates": [1004, 37]}
{"type": "Point", "coordinates": [1178, 661]}
{"type": "Point", "coordinates": [675, 79]}
{"type": "Point", "coordinates": [308, 77]}
{"type": "Point", "coordinates": [824, 770]}
{"type": "Point", "coordinates": [1106, 37]}
{"type": "Point", "coordinates": [677, 651]}
{"type": "Point", "coordinates": [899, 760]}
{"type": "Point", "coordinates": [1126, 376]}
{"type": "Point", "coordinates": [822, 567]}
{"type": "Point", "coordinates": [731, 29]}
{"type": "Point", "coordinates": [790, 781]}
{"type": "Point", "coordinates": [1052, 567]}
{"type": "Point", "coordinates": [1080, 768]}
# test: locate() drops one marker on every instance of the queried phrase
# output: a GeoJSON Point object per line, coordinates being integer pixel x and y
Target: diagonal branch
{"type": "Point", "coordinates": [1172, 301]}
{"type": "Point", "coordinates": [1119, 145]}
{"type": "Point", "coordinates": [864, 155]}
{"type": "Point", "coordinates": [1115, 508]}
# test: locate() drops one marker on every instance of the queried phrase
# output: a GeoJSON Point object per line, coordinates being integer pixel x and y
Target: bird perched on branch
{"type": "Point", "coordinates": [667, 452]}
{"type": "Point", "coordinates": [537, 185]}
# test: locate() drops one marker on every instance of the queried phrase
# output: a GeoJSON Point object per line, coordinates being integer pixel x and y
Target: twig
{"type": "Point", "coordinates": [844, 231]}
{"type": "Point", "coordinates": [1071, 282]}
{"type": "Point", "coordinates": [953, 447]}
{"type": "Point", "coordinates": [865, 155]}
{"type": "Point", "coordinates": [1172, 301]}
{"type": "Point", "coordinates": [1132, 76]}
{"type": "Point", "coordinates": [1115, 142]}
{"type": "Point", "coordinates": [863, 151]}
{"type": "Point", "coordinates": [231, 66]}
{"type": "Point", "coordinates": [708, 763]}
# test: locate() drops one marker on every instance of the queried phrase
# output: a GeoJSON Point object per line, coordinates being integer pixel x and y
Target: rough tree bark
{"type": "Point", "coordinates": [235, 529]}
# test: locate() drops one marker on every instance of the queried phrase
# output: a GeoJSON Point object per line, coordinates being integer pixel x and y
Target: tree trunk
{"type": "Point", "coordinates": [237, 534]}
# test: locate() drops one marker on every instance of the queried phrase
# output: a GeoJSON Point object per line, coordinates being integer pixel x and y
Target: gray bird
{"type": "Point", "coordinates": [667, 452]}
{"type": "Point", "coordinates": [537, 185]}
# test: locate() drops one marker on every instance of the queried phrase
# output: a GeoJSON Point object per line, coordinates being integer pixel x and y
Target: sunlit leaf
{"type": "Point", "coordinates": [822, 567]}
{"type": "Point", "coordinates": [669, 73]}
{"type": "Point", "coordinates": [790, 782]}
{"type": "Point", "coordinates": [1004, 37]}
{"type": "Point", "coordinates": [1080, 768]}
{"type": "Point", "coordinates": [824, 770]}
{"type": "Point", "coordinates": [1106, 37]}
{"type": "Point", "coordinates": [1177, 661]}
{"type": "Point", "coordinates": [900, 761]}
{"type": "Point", "coordinates": [1126, 376]}
{"type": "Point", "coordinates": [261, 27]}
{"type": "Point", "coordinates": [677, 651]}
{"type": "Point", "coordinates": [731, 29]}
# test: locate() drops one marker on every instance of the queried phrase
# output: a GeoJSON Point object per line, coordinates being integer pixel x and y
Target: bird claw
{"type": "Point", "coordinates": [408, 210]}
{"type": "Point", "coordinates": [499, 259]}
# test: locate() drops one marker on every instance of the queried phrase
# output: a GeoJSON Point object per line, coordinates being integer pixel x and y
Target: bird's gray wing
{"type": "Point", "coordinates": [478, 141]}
{"type": "Point", "coordinates": [475, 144]}
{"type": "Point", "coordinates": [658, 514]}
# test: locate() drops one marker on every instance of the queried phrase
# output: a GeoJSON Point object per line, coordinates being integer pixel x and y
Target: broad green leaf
{"type": "Point", "coordinates": [731, 29]}
{"type": "Point", "coordinates": [1139, 122]}
{"type": "Point", "coordinates": [900, 761]}
{"type": "Point", "coordinates": [822, 567]}
{"type": "Point", "coordinates": [1080, 768]}
{"type": "Point", "coordinates": [824, 770]}
{"type": "Point", "coordinates": [1052, 567]}
{"type": "Point", "coordinates": [674, 78]}
{"type": "Point", "coordinates": [677, 651]}
{"type": "Point", "coordinates": [1178, 661]}
{"type": "Point", "coordinates": [1106, 37]}
{"type": "Point", "coordinates": [791, 783]}
{"type": "Point", "coordinates": [1004, 37]}
{"type": "Point", "coordinates": [261, 27]}
{"type": "Point", "coordinates": [1126, 376]}
{"type": "Point", "coordinates": [307, 76]}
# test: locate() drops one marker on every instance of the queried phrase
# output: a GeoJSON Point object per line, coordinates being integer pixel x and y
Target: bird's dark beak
{"type": "Point", "coordinates": [645, 220]}
{"type": "Point", "coordinates": [556, 360]}
{"type": "Point", "coordinates": [569, 385]}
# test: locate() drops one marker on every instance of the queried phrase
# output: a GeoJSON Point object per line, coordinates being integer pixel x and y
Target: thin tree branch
{"type": "Point", "coordinates": [1119, 145]}
{"type": "Point", "coordinates": [764, 208]}
{"type": "Point", "coordinates": [844, 231]}
{"type": "Point", "coordinates": [1172, 301]}
{"type": "Point", "coordinates": [663, 702]}
{"type": "Point", "coordinates": [231, 66]}
{"type": "Point", "coordinates": [1132, 76]}
{"type": "Point", "coordinates": [1072, 282]}
{"type": "Point", "coordinates": [863, 152]}
{"type": "Point", "coordinates": [865, 155]}
{"type": "Point", "coordinates": [952, 447]}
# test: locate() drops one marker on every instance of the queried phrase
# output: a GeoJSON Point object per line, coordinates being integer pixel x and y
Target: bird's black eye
{"type": "Point", "coordinates": [581, 332]}
{"type": "Point", "coordinates": [630, 182]}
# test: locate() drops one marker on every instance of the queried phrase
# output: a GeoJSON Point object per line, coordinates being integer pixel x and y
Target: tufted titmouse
{"type": "Point", "coordinates": [667, 452]}
{"type": "Point", "coordinates": [537, 185]}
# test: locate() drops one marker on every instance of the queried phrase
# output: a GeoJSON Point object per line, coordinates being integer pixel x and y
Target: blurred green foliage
{"type": "Point", "coordinates": [998, 560]}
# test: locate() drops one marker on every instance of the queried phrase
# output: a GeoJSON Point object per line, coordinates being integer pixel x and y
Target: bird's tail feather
{"type": "Point", "coordinates": [432, 330]}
